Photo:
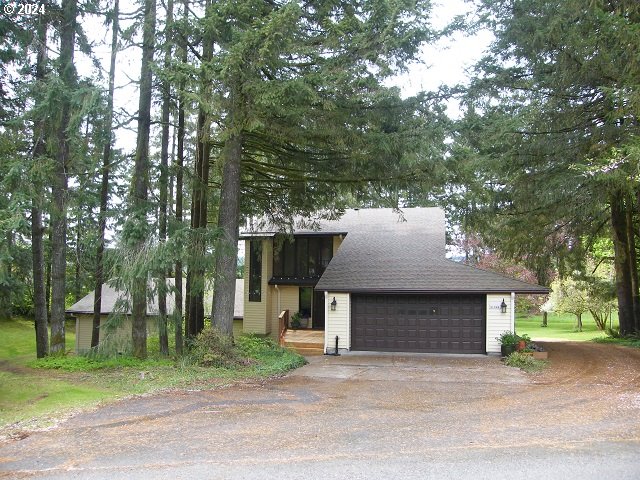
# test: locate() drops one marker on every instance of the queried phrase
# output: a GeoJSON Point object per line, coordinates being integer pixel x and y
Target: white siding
{"type": "Point", "coordinates": [498, 322]}
{"type": "Point", "coordinates": [338, 322]}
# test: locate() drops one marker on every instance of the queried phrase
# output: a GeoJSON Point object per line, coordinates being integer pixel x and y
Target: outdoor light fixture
{"type": "Point", "coordinates": [333, 304]}
{"type": "Point", "coordinates": [503, 307]}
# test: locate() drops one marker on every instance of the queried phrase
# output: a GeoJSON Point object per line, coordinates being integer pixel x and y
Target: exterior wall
{"type": "Point", "coordinates": [237, 327]}
{"type": "Point", "coordinates": [498, 322]}
{"type": "Point", "coordinates": [337, 241]}
{"type": "Point", "coordinates": [338, 322]}
{"type": "Point", "coordinates": [289, 300]}
{"type": "Point", "coordinates": [256, 314]}
{"type": "Point", "coordinates": [119, 338]}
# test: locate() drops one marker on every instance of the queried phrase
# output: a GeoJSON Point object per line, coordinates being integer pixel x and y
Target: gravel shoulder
{"type": "Point", "coordinates": [365, 416]}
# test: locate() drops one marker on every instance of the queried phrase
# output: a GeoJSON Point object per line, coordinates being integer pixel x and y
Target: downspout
{"type": "Point", "coordinates": [326, 321]}
{"type": "Point", "coordinates": [513, 311]}
{"type": "Point", "coordinates": [278, 290]}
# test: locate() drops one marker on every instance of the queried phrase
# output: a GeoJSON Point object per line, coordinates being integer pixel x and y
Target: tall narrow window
{"type": "Point", "coordinates": [255, 271]}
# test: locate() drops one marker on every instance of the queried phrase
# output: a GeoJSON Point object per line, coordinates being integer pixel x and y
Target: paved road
{"type": "Point", "coordinates": [369, 417]}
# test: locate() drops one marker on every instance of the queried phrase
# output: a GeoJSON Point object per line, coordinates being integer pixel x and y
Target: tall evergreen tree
{"type": "Point", "coordinates": [59, 190]}
{"type": "Point", "coordinates": [136, 229]}
{"type": "Point", "coordinates": [553, 121]}
{"type": "Point", "coordinates": [296, 82]}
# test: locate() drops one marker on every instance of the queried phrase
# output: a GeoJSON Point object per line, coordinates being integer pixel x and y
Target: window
{"type": "Point", "coordinates": [302, 258]}
{"type": "Point", "coordinates": [305, 296]}
{"type": "Point", "coordinates": [255, 271]}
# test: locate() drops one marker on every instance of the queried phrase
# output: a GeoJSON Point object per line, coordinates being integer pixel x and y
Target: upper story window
{"type": "Point", "coordinates": [304, 257]}
{"type": "Point", "coordinates": [255, 271]}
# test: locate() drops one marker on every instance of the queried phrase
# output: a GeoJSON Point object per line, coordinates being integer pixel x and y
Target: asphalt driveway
{"type": "Point", "coordinates": [369, 417]}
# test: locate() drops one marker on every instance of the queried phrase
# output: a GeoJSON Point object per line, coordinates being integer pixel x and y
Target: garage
{"type": "Point", "coordinates": [418, 323]}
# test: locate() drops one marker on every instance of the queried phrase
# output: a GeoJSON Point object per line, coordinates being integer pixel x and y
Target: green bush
{"type": "Point", "coordinates": [508, 338]}
{"type": "Point", "coordinates": [211, 348]}
{"type": "Point", "coordinates": [524, 362]}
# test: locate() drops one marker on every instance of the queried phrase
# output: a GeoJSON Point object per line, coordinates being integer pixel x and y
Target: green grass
{"type": "Point", "coordinates": [626, 342]}
{"type": "Point", "coordinates": [33, 391]}
{"type": "Point", "coordinates": [560, 327]}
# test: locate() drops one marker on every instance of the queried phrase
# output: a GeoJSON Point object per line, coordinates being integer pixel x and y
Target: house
{"type": "Point", "coordinates": [378, 280]}
{"type": "Point", "coordinates": [82, 310]}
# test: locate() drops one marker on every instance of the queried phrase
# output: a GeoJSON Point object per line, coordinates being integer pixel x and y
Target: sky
{"type": "Point", "coordinates": [444, 63]}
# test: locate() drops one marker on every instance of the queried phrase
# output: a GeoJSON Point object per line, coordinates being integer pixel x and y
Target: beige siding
{"type": "Point", "coordinates": [289, 300]}
{"type": "Point", "coordinates": [337, 241]}
{"type": "Point", "coordinates": [338, 322]}
{"type": "Point", "coordinates": [256, 313]}
{"type": "Point", "coordinates": [119, 339]}
{"type": "Point", "coordinates": [237, 327]}
{"type": "Point", "coordinates": [497, 322]}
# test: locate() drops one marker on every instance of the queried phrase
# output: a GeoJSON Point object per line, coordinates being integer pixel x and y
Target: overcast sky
{"type": "Point", "coordinates": [443, 63]}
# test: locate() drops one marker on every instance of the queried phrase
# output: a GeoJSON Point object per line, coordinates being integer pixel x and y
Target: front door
{"type": "Point", "coordinates": [318, 310]}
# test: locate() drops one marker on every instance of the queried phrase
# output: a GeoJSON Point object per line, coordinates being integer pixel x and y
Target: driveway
{"type": "Point", "coordinates": [369, 417]}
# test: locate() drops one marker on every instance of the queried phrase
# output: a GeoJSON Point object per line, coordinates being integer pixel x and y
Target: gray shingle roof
{"type": "Point", "coordinates": [383, 255]}
{"type": "Point", "coordinates": [362, 219]}
{"type": "Point", "coordinates": [110, 296]}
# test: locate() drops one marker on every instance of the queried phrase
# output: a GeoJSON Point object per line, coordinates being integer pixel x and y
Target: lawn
{"type": "Point", "coordinates": [35, 392]}
{"type": "Point", "coordinates": [560, 327]}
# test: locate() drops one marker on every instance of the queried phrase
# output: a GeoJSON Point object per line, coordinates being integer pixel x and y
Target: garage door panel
{"type": "Point", "coordinates": [420, 323]}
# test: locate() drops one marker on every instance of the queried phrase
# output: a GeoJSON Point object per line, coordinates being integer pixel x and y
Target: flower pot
{"type": "Point", "coordinates": [521, 345]}
{"type": "Point", "coordinates": [507, 350]}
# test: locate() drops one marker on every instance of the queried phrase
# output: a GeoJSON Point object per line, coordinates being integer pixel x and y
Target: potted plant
{"type": "Point", "coordinates": [508, 342]}
{"type": "Point", "coordinates": [296, 320]}
{"type": "Point", "coordinates": [523, 342]}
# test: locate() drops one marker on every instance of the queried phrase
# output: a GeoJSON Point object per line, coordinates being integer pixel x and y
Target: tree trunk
{"type": "Point", "coordinates": [622, 264]}
{"type": "Point", "coordinates": [227, 249]}
{"type": "Point", "coordinates": [77, 287]}
{"type": "Point", "coordinates": [37, 230]}
{"type": "Point", "coordinates": [59, 187]}
{"type": "Point", "coordinates": [633, 264]}
{"type": "Point", "coordinates": [141, 182]}
{"type": "Point", "coordinates": [579, 321]}
{"type": "Point", "coordinates": [6, 300]}
{"type": "Point", "coordinates": [195, 275]}
{"type": "Point", "coordinates": [164, 173]}
{"type": "Point", "coordinates": [545, 316]}
{"type": "Point", "coordinates": [179, 198]}
{"type": "Point", "coordinates": [104, 187]}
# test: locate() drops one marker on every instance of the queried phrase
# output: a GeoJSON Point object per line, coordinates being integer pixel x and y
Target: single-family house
{"type": "Point", "coordinates": [82, 310]}
{"type": "Point", "coordinates": [376, 280]}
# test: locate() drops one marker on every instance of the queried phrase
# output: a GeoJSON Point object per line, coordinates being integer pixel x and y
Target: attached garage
{"type": "Point", "coordinates": [418, 323]}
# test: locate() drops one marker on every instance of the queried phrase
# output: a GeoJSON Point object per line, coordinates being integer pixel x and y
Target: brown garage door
{"type": "Point", "coordinates": [418, 323]}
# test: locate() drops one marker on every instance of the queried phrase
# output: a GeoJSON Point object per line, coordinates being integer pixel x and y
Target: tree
{"type": "Point", "coordinates": [569, 296]}
{"type": "Point", "coordinates": [59, 188]}
{"type": "Point", "coordinates": [550, 125]}
{"type": "Point", "coordinates": [295, 90]}
{"type": "Point", "coordinates": [164, 183]}
{"type": "Point", "coordinates": [104, 184]}
{"type": "Point", "coordinates": [136, 230]}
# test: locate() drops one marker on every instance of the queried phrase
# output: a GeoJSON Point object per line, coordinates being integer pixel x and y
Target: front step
{"type": "Point", "coordinates": [305, 342]}
{"type": "Point", "coordinates": [307, 352]}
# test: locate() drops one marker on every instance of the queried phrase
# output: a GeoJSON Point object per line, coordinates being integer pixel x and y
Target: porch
{"type": "Point", "coordinates": [305, 341]}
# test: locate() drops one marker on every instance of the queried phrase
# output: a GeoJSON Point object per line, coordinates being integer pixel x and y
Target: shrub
{"type": "Point", "coordinates": [508, 338]}
{"type": "Point", "coordinates": [524, 362]}
{"type": "Point", "coordinates": [212, 348]}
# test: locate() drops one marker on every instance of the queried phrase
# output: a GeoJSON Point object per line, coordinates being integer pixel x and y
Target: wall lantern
{"type": "Point", "coordinates": [503, 307]}
{"type": "Point", "coordinates": [333, 304]}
